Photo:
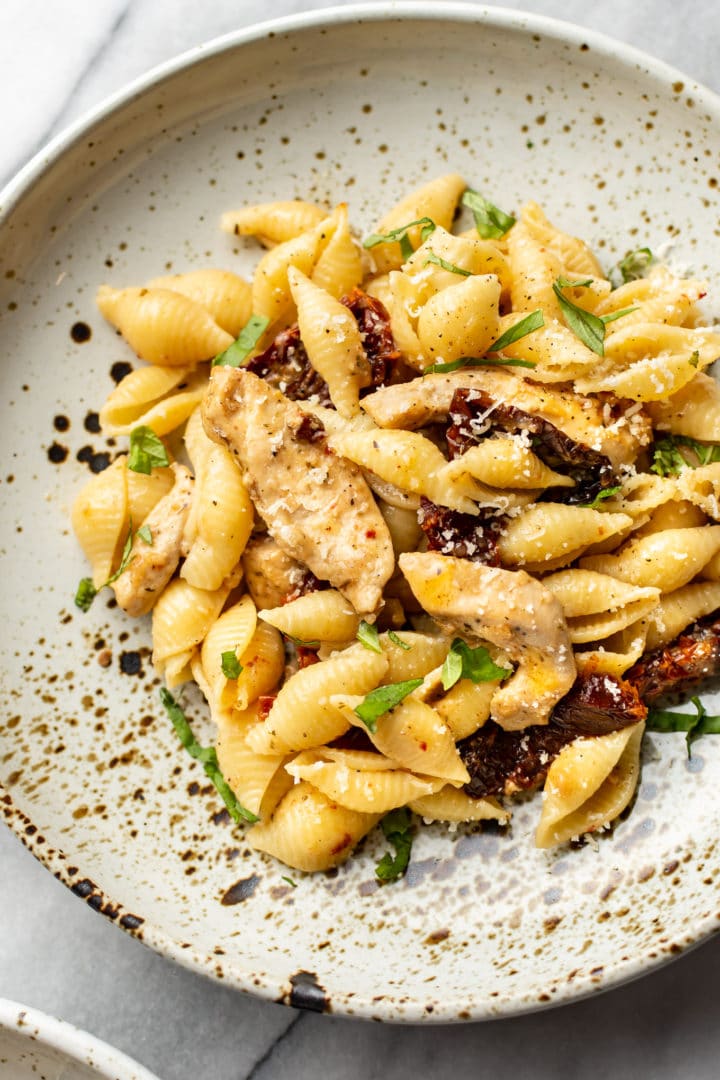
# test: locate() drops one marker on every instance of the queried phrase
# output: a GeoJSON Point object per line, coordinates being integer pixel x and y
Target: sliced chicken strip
{"type": "Point", "coordinates": [271, 576]}
{"type": "Point", "coordinates": [151, 566]}
{"type": "Point", "coordinates": [316, 506]}
{"type": "Point", "coordinates": [427, 399]}
{"type": "Point", "coordinates": [510, 609]}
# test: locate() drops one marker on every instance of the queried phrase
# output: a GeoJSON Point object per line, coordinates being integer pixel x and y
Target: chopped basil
{"type": "Point", "coordinates": [396, 826]}
{"type": "Point", "coordinates": [695, 726]}
{"type": "Point", "coordinates": [462, 662]}
{"type": "Point", "coordinates": [230, 665]}
{"type": "Point", "coordinates": [303, 644]}
{"type": "Point", "coordinates": [85, 594]}
{"type": "Point", "coordinates": [605, 493]}
{"type": "Point", "coordinates": [617, 314]}
{"type": "Point", "coordinates": [147, 451]}
{"type": "Point", "coordinates": [401, 235]}
{"type": "Point", "coordinates": [476, 361]}
{"type": "Point", "coordinates": [398, 641]}
{"type": "Point", "coordinates": [145, 535]}
{"type": "Point", "coordinates": [632, 267]}
{"type": "Point", "coordinates": [588, 327]}
{"type": "Point", "coordinates": [379, 701]}
{"type": "Point", "coordinates": [694, 359]}
{"type": "Point", "coordinates": [368, 636]}
{"type": "Point", "coordinates": [125, 558]}
{"type": "Point", "coordinates": [86, 591]}
{"type": "Point", "coordinates": [290, 881]}
{"type": "Point", "coordinates": [521, 329]}
{"type": "Point", "coordinates": [490, 222]}
{"type": "Point", "coordinates": [206, 756]}
{"type": "Point", "coordinates": [451, 267]}
{"type": "Point", "coordinates": [236, 354]}
{"type": "Point", "coordinates": [669, 460]}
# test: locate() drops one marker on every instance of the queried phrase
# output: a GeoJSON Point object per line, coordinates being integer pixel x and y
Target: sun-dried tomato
{"type": "Point", "coordinates": [465, 536]}
{"type": "Point", "coordinates": [285, 365]}
{"type": "Point", "coordinates": [677, 668]}
{"type": "Point", "coordinates": [378, 341]}
{"type": "Point", "coordinates": [501, 762]}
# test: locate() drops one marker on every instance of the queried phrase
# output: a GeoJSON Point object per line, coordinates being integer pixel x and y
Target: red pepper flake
{"type": "Point", "coordinates": [370, 534]}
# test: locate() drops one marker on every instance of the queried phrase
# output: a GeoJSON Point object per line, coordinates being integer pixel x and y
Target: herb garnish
{"type": "Point", "coordinates": [695, 726]}
{"type": "Point", "coordinates": [379, 701]}
{"type": "Point", "coordinates": [396, 826]}
{"type": "Point", "coordinates": [521, 329]}
{"type": "Point", "coordinates": [207, 756]}
{"type": "Point", "coordinates": [368, 636]}
{"type": "Point", "coordinates": [401, 235]}
{"type": "Point", "coordinates": [490, 222]}
{"type": "Point", "coordinates": [236, 354]}
{"type": "Point", "coordinates": [476, 361]}
{"type": "Point", "coordinates": [290, 881]}
{"type": "Point", "coordinates": [147, 451]}
{"type": "Point", "coordinates": [604, 493]}
{"type": "Point", "coordinates": [230, 665]}
{"type": "Point", "coordinates": [451, 267]}
{"type": "Point", "coordinates": [86, 591]}
{"type": "Point", "coordinates": [669, 460]}
{"type": "Point", "coordinates": [398, 641]}
{"type": "Point", "coordinates": [632, 267]}
{"type": "Point", "coordinates": [588, 327]}
{"type": "Point", "coordinates": [145, 534]}
{"type": "Point", "coordinates": [462, 662]}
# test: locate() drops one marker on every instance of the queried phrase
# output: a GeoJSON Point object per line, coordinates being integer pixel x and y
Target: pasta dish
{"type": "Point", "coordinates": [430, 518]}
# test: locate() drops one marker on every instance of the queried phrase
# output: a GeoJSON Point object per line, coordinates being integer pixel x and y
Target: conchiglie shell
{"type": "Point", "coordinates": [99, 519]}
{"type": "Point", "coordinates": [414, 735]}
{"type": "Point", "coordinates": [557, 353]}
{"type": "Point", "coordinates": [181, 618]}
{"type": "Point", "coordinates": [232, 632]}
{"type": "Point", "coordinates": [534, 269]}
{"type": "Point", "coordinates": [505, 463]}
{"type": "Point", "coordinates": [660, 297]}
{"type": "Point", "coordinates": [362, 790]}
{"type": "Point", "coordinates": [462, 320]}
{"type": "Point", "coordinates": [324, 616]}
{"type": "Point", "coordinates": [616, 654]}
{"type": "Point", "coordinates": [402, 523]}
{"type": "Point", "coordinates": [163, 327]}
{"type": "Point", "coordinates": [331, 337]}
{"type": "Point", "coordinates": [701, 487]}
{"type": "Point", "coordinates": [552, 534]}
{"type": "Point", "coordinates": [405, 459]}
{"type": "Point", "coordinates": [676, 514]}
{"type": "Point", "coordinates": [310, 832]}
{"type": "Point", "coordinates": [694, 410]}
{"type": "Point", "coordinates": [666, 560]}
{"type": "Point", "coordinates": [641, 495]}
{"type": "Point", "coordinates": [263, 664]}
{"type": "Point", "coordinates": [425, 653]}
{"type": "Point", "coordinates": [466, 706]}
{"type": "Point", "coordinates": [403, 307]}
{"type": "Point", "coordinates": [471, 254]}
{"type": "Point", "coordinates": [144, 492]}
{"type": "Point", "coordinates": [145, 397]}
{"type": "Point", "coordinates": [226, 296]}
{"type": "Point", "coordinates": [270, 288]}
{"type": "Point", "coordinates": [586, 592]}
{"type": "Point", "coordinates": [679, 609]}
{"type": "Point", "coordinates": [437, 200]}
{"type": "Point", "coordinates": [303, 715]}
{"type": "Point", "coordinates": [590, 782]}
{"type": "Point", "coordinates": [576, 258]}
{"type": "Point", "coordinates": [223, 517]}
{"type": "Point", "coordinates": [273, 222]}
{"type": "Point", "coordinates": [453, 804]}
{"type": "Point", "coordinates": [248, 774]}
{"type": "Point", "coordinates": [339, 269]}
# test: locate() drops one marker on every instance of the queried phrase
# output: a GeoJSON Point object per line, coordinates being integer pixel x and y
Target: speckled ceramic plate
{"type": "Point", "coordinates": [34, 1046]}
{"type": "Point", "coordinates": [356, 104]}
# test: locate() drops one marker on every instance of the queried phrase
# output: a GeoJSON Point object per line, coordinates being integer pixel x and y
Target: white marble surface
{"type": "Point", "coordinates": [59, 58]}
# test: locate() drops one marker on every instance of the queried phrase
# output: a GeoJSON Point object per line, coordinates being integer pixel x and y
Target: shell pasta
{"type": "Point", "coordinates": [420, 511]}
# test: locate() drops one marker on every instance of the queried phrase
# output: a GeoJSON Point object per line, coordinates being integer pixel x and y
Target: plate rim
{"type": "Point", "coordinates": [75, 1043]}
{"type": "Point", "coordinates": [65, 868]}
